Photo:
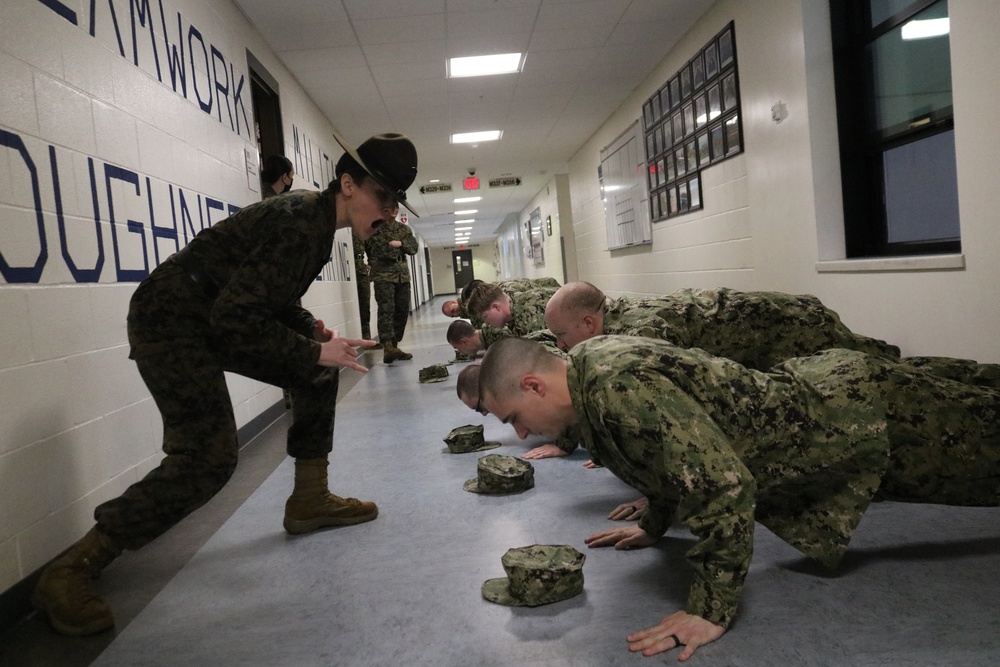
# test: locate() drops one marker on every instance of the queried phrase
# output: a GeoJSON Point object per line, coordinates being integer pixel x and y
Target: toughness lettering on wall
{"type": "Point", "coordinates": [176, 58]}
{"type": "Point", "coordinates": [96, 209]}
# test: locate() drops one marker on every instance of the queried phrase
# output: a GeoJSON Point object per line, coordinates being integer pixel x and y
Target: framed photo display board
{"type": "Point", "coordinates": [692, 122]}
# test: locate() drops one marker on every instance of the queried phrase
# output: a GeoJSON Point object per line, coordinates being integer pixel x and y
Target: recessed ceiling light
{"type": "Point", "coordinates": [500, 63]}
{"type": "Point", "coordinates": [462, 229]}
{"type": "Point", "coordinates": [473, 137]}
{"type": "Point", "coordinates": [462, 200]}
{"type": "Point", "coordinates": [435, 180]}
{"type": "Point", "coordinates": [462, 222]}
{"type": "Point", "coordinates": [467, 212]}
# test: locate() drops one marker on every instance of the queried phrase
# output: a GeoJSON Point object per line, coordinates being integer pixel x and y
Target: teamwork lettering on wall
{"type": "Point", "coordinates": [213, 77]}
{"type": "Point", "coordinates": [111, 211]}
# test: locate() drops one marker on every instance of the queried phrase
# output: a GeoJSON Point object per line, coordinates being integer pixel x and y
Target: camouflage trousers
{"type": "Point", "coordinates": [944, 434]}
{"type": "Point", "coordinates": [365, 304]}
{"type": "Point", "coordinates": [185, 377]}
{"type": "Point", "coordinates": [393, 301]}
{"type": "Point", "coordinates": [773, 327]}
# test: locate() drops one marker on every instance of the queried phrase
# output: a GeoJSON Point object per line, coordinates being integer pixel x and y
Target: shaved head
{"type": "Point", "coordinates": [575, 313]}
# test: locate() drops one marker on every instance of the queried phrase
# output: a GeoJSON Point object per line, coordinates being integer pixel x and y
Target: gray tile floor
{"type": "Point", "coordinates": [919, 586]}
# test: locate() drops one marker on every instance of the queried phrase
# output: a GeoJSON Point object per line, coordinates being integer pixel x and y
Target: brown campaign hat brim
{"type": "Point", "coordinates": [388, 187]}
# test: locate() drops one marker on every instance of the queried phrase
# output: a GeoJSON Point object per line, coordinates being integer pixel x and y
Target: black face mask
{"type": "Point", "coordinates": [289, 188]}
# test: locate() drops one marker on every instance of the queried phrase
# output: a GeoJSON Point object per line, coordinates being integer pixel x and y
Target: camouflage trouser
{"type": "Point", "coordinates": [365, 304]}
{"type": "Point", "coordinates": [944, 435]}
{"type": "Point", "coordinates": [762, 329]}
{"type": "Point", "coordinates": [185, 376]}
{"type": "Point", "coordinates": [393, 301]}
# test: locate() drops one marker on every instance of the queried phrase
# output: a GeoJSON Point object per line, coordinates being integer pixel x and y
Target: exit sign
{"type": "Point", "coordinates": [471, 183]}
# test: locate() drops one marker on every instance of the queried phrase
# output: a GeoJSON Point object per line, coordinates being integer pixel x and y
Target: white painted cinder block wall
{"type": "Point", "coordinates": [772, 213]}
{"type": "Point", "coordinates": [77, 425]}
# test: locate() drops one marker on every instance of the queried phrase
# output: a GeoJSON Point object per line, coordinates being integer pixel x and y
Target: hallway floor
{"type": "Point", "coordinates": [229, 587]}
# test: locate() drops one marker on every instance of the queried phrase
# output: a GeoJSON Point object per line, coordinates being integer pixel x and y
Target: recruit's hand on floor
{"type": "Point", "coordinates": [543, 452]}
{"type": "Point", "coordinates": [630, 537]}
{"type": "Point", "coordinates": [678, 629]}
{"type": "Point", "coordinates": [592, 465]}
{"type": "Point", "coordinates": [343, 352]}
{"type": "Point", "coordinates": [630, 511]}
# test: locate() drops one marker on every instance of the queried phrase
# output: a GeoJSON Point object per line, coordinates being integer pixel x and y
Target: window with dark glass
{"type": "Point", "coordinates": [892, 68]}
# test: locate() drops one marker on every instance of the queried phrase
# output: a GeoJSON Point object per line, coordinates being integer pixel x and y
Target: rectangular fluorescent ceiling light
{"type": "Point", "coordinates": [475, 137]}
{"type": "Point", "coordinates": [922, 29]}
{"type": "Point", "coordinates": [500, 63]}
{"type": "Point", "coordinates": [462, 229]}
{"type": "Point", "coordinates": [462, 222]}
{"type": "Point", "coordinates": [462, 200]}
{"type": "Point", "coordinates": [468, 212]}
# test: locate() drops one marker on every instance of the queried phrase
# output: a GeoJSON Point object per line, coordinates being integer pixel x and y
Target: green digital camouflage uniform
{"type": "Point", "coordinates": [361, 273]}
{"type": "Point", "coordinates": [801, 449]}
{"type": "Point", "coordinates": [510, 287]}
{"type": "Point", "coordinates": [527, 310]}
{"type": "Point", "coordinates": [261, 260]}
{"type": "Point", "coordinates": [756, 329]}
{"type": "Point", "coordinates": [391, 275]}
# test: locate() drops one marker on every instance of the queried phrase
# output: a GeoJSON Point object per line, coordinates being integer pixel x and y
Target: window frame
{"type": "Point", "coordinates": [861, 146]}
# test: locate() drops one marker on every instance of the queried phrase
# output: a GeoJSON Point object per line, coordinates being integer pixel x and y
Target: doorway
{"type": "Point", "coordinates": [461, 261]}
{"type": "Point", "coordinates": [266, 110]}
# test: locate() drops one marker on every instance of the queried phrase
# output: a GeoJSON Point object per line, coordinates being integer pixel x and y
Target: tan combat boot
{"type": "Point", "coordinates": [403, 356]}
{"type": "Point", "coordinates": [311, 505]}
{"type": "Point", "coordinates": [64, 592]}
{"type": "Point", "coordinates": [390, 352]}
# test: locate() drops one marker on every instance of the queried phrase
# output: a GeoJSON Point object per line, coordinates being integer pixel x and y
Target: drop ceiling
{"type": "Point", "coordinates": [380, 66]}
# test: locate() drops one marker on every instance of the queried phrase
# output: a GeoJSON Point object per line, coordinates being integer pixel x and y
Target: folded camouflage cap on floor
{"type": "Point", "coordinates": [435, 373]}
{"type": "Point", "coordinates": [537, 575]}
{"type": "Point", "coordinates": [501, 474]}
{"type": "Point", "coordinates": [465, 439]}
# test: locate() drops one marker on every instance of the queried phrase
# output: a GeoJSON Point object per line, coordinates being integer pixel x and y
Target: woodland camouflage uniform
{"type": "Point", "coordinates": [244, 317]}
{"type": "Point", "coordinates": [802, 449]}
{"type": "Point", "coordinates": [391, 275]}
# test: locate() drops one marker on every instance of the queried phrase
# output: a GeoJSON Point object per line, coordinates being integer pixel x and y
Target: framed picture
{"type": "Point", "coordinates": [711, 61]}
{"type": "Point", "coordinates": [548, 225]}
{"type": "Point", "coordinates": [733, 139]}
{"type": "Point", "coordinates": [670, 173]}
{"type": "Point", "coordinates": [691, 155]}
{"type": "Point", "coordinates": [698, 71]}
{"type": "Point", "coordinates": [686, 82]}
{"type": "Point", "coordinates": [729, 91]}
{"type": "Point", "coordinates": [647, 114]}
{"type": "Point", "coordinates": [679, 159]}
{"type": "Point", "coordinates": [688, 112]}
{"type": "Point", "coordinates": [694, 192]}
{"type": "Point", "coordinates": [678, 123]}
{"type": "Point", "coordinates": [718, 142]}
{"type": "Point", "coordinates": [683, 203]}
{"type": "Point", "coordinates": [665, 104]}
{"type": "Point", "coordinates": [714, 102]}
{"type": "Point", "coordinates": [726, 53]}
{"type": "Point", "coordinates": [704, 153]}
{"type": "Point", "coordinates": [700, 111]}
